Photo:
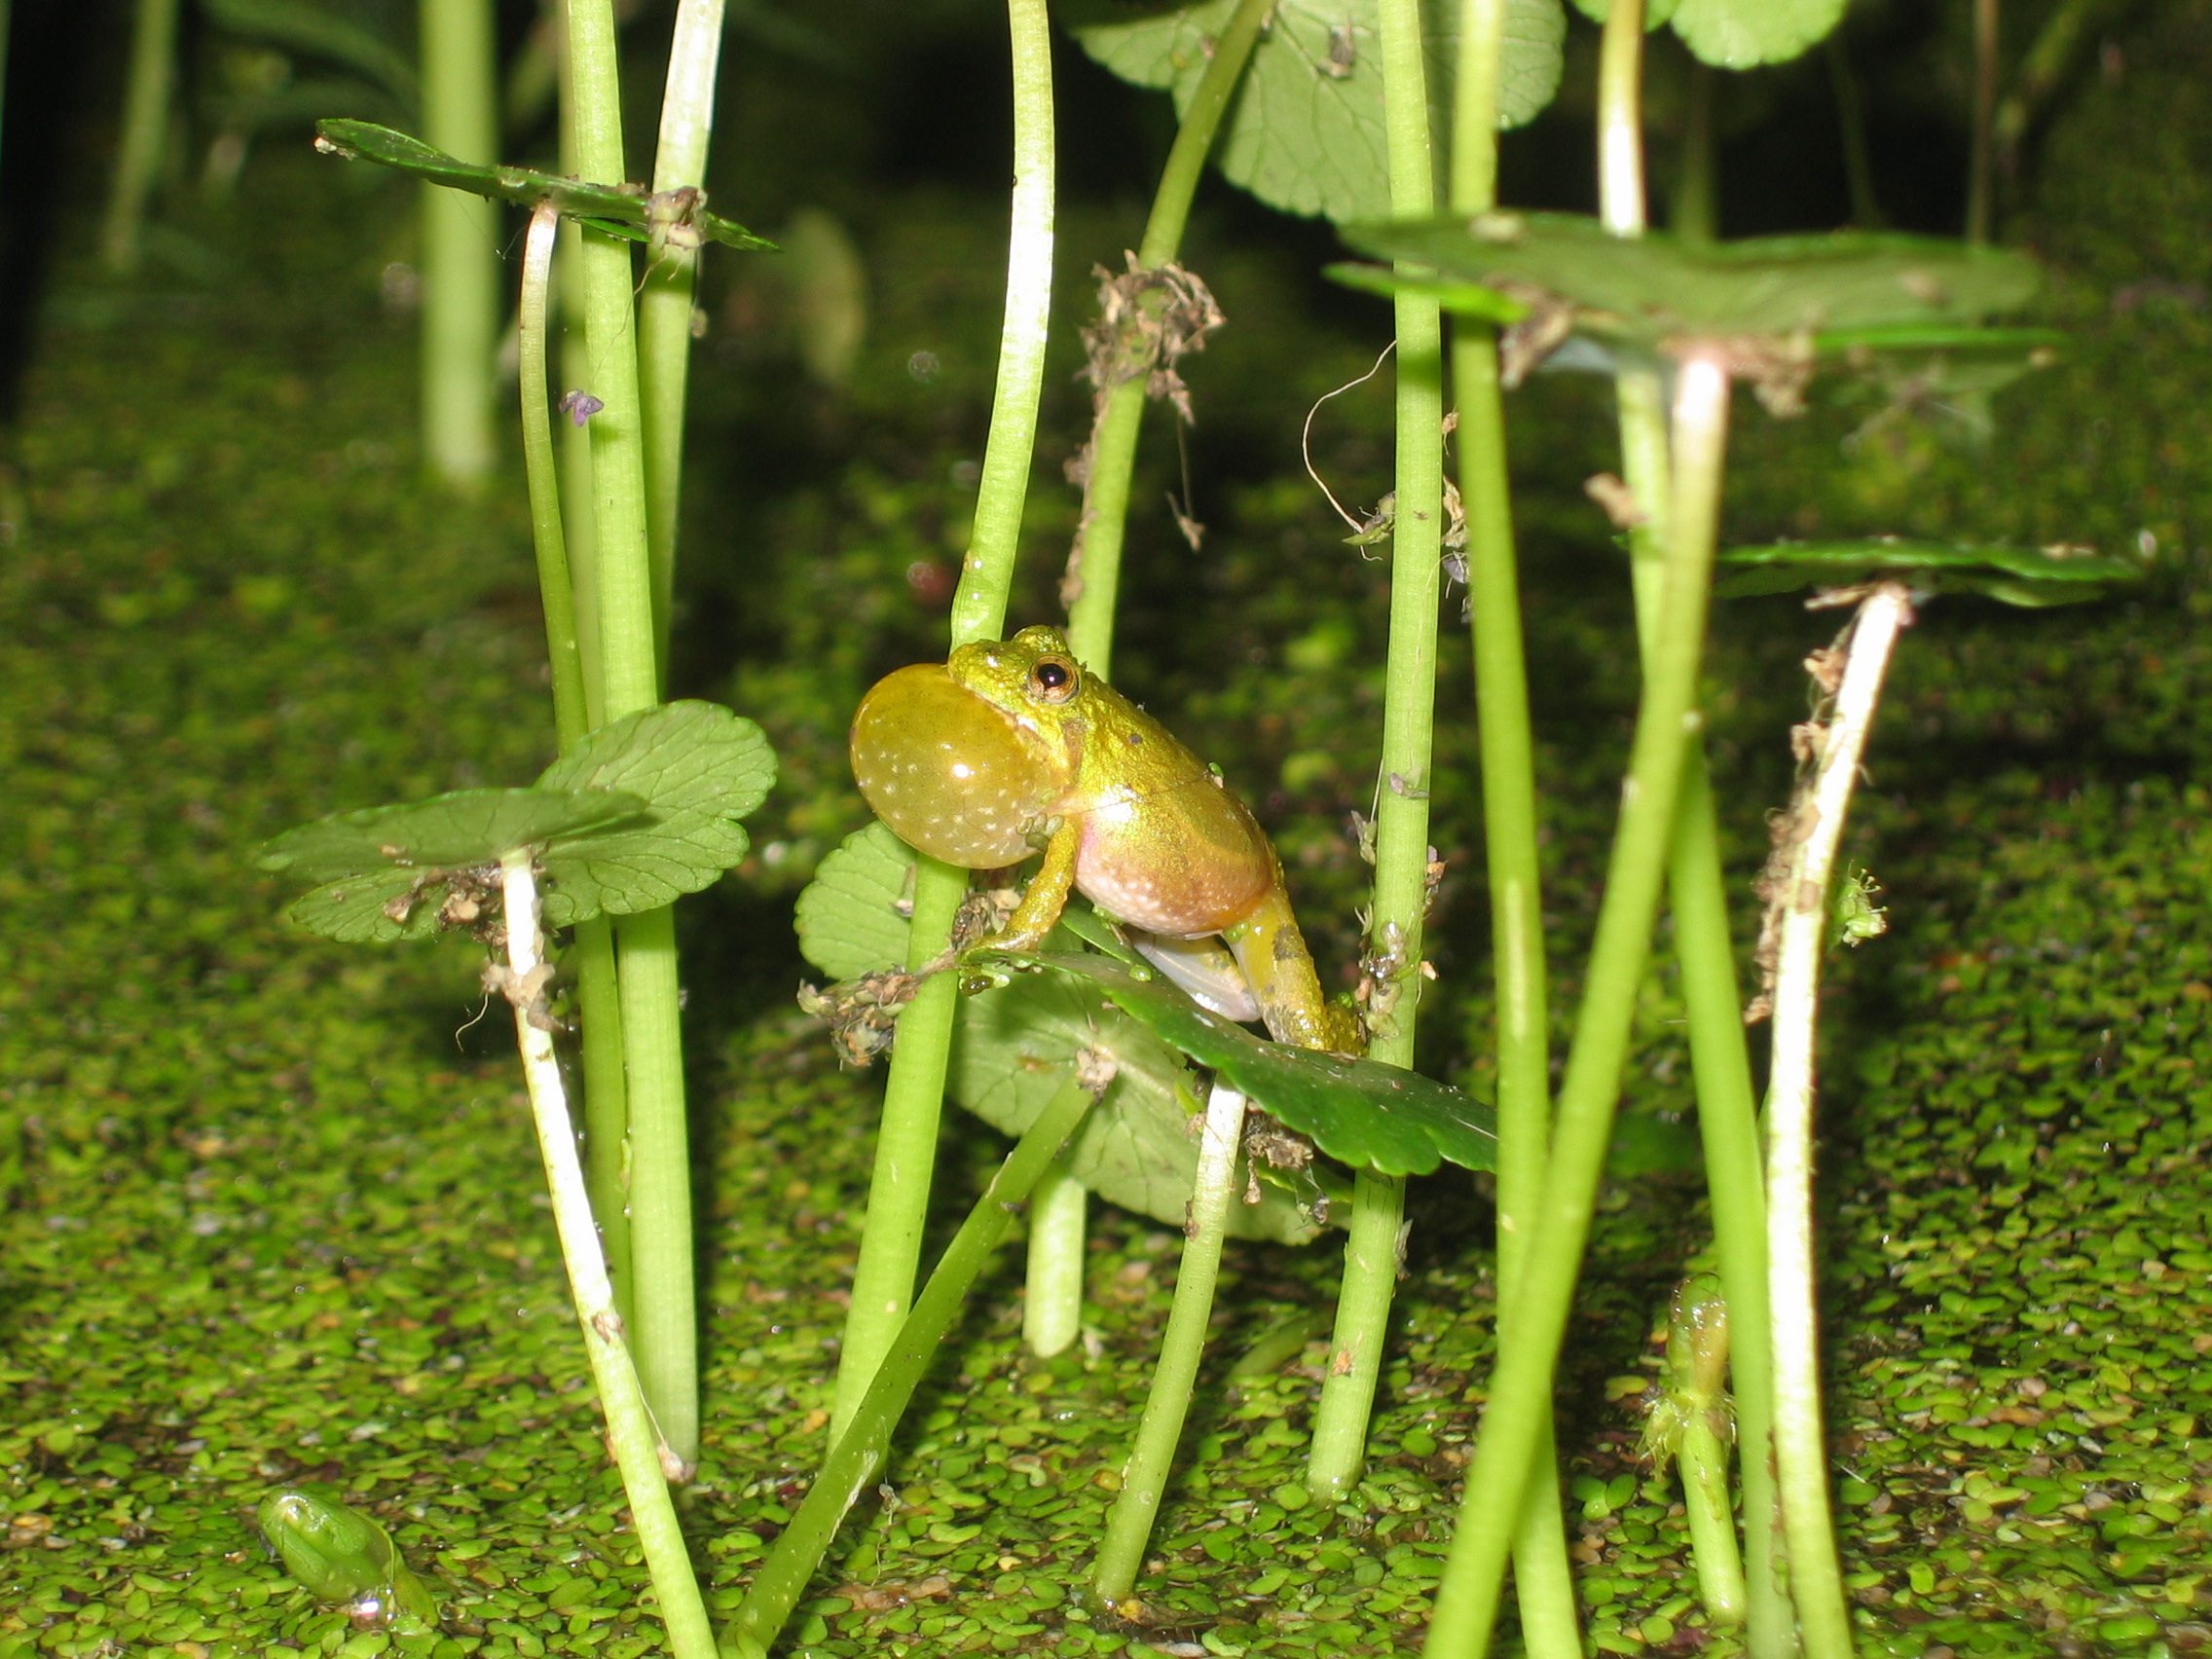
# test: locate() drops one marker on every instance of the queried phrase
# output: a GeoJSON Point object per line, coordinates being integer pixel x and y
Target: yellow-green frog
{"type": "Point", "coordinates": [1013, 745]}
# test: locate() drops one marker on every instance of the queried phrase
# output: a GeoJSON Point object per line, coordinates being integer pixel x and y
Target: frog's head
{"type": "Point", "coordinates": [1032, 677]}
{"type": "Point", "coordinates": [968, 760]}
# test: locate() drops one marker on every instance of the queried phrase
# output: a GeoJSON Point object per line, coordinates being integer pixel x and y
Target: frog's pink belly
{"type": "Point", "coordinates": [1184, 865]}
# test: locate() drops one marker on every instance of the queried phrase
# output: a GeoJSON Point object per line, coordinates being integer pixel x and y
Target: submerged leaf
{"type": "Point", "coordinates": [623, 210]}
{"type": "Point", "coordinates": [698, 769]}
{"type": "Point", "coordinates": [1369, 1116]}
{"type": "Point", "coordinates": [1305, 131]}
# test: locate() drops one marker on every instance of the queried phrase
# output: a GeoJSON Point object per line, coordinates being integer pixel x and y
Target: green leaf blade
{"type": "Point", "coordinates": [459, 831]}
{"type": "Point", "coordinates": [698, 768]}
{"type": "Point", "coordinates": [1369, 1116]}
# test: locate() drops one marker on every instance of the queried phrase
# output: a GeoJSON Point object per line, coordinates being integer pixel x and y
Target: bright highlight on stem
{"type": "Point", "coordinates": [1816, 825]}
{"type": "Point", "coordinates": [639, 1451]}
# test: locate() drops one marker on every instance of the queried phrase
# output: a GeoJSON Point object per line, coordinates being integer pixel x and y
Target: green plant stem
{"type": "Point", "coordinates": [859, 1452]}
{"type": "Point", "coordinates": [461, 244]}
{"type": "Point", "coordinates": [914, 1095]}
{"type": "Point", "coordinates": [1052, 1313]}
{"type": "Point", "coordinates": [606, 1114]}
{"type": "Point", "coordinates": [1851, 133]}
{"type": "Point", "coordinates": [1128, 1525]}
{"type": "Point", "coordinates": [1543, 1583]}
{"type": "Point", "coordinates": [1114, 437]}
{"type": "Point", "coordinates": [145, 129]}
{"type": "Point", "coordinates": [1521, 1388]}
{"type": "Point", "coordinates": [659, 1142]}
{"type": "Point", "coordinates": [672, 273]}
{"type": "Point", "coordinates": [1694, 214]}
{"type": "Point", "coordinates": [1982, 162]}
{"type": "Point", "coordinates": [578, 514]}
{"type": "Point", "coordinates": [1401, 815]}
{"type": "Point", "coordinates": [1816, 825]}
{"type": "Point", "coordinates": [1705, 947]}
{"type": "Point", "coordinates": [1704, 1459]}
{"type": "Point", "coordinates": [630, 1431]}
{"type": "Point", "coordinates": [1051, 1308]}
{"type": "Point", "coordinates": [570, 719]}
{"type": "Point", "coordinates": [905, 1146]}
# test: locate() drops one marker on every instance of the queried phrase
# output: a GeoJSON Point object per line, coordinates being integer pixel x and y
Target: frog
{"type": "Point", "coordinates": [1013, 747]}
{"type": "Point", "coordinates": [341, 1556]}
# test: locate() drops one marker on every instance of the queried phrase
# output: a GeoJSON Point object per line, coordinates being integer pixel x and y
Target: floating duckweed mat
{"type": "Point", "coordinates": [266, 1221]}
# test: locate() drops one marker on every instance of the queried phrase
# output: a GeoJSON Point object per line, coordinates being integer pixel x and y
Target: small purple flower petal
{"type": "Point", "coordinates": [581, 406]}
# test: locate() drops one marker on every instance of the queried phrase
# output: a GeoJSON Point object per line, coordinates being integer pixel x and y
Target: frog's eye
{"type": "Point", "coordinates": [1052, 681]}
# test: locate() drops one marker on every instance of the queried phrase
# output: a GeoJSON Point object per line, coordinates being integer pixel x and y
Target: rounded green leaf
{"type": "Point", "coordinates": [1742, 34]}
{"type": "Point", "coordinates": [698, 768]}
{"type": "Point", "coordinates": [1305, 132]}
{"type": "Point", "coordinates": [849, 916]}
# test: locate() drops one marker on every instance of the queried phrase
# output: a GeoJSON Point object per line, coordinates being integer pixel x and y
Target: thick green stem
{"type": "Point", "coordinates": [1521, 1393]}
{"type": "Point", "coordinates": [145, 129]}
{"type": "Point", "coordinates": [1705, 947]}
{"type": "Point", "coordinates": [628, 676]}
{"type": "Point", "coordinates": [1052, 1309]}
{"type": "Point", "coordinates": [661, 1266]}
{"type": "Point", "coordinates": [664, 306]}
{"type": "Point", "coordinates": [1816, 827]}
{"type": "Point", "coordinates": [1128, 1525]}
{"type": "Point", "coordinates": [859, 1452]}
{"type": "Point", "coordinates": [461, 244]}
{"type": "Point", "coordinates": [1543, 1583]}
{"type": "Point", "coordinates": [605, 1116]}
{"type": "Point", "coordinates": [1704, 1458]}
{"type": "Point", "coordinates": [1401, 815]}
{"type": "Point", "coordinates": [630, 1434]}
{"type": "Point", "coordinates": [907, 1146]}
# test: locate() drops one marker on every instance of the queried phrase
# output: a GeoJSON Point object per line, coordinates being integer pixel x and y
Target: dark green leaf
{"type": "Point", "coordinates": [451, 831]}
{"type": "Point", "coordinates": [618, 210]}
{"type": "Point", "coordinates": [1369, 1116]}
{"type": "Point", "coordinates": [2017, 576]}
{"type": "Point", "coordinates": [1305, 131]}
{"type": "Point", "coordinates": [698, 768]}
{"type": "Point", "coordinates": [1653, 287]}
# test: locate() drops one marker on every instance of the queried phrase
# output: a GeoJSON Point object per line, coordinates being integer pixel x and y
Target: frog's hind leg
{"type": "Point", "coordinates": [1279, 969]}
{"type": "Point", "coordinates": [1203, 969]}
